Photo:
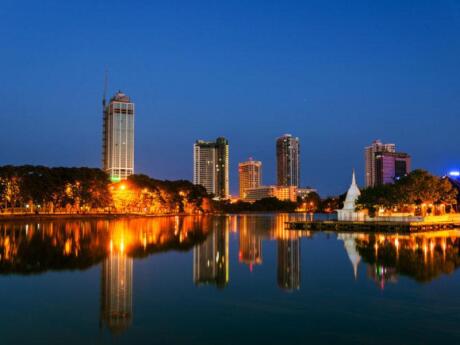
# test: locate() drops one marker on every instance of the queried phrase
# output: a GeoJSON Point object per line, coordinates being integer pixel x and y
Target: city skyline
{"type": "Point", "coordinates": [248, 163]}
{"type": "Point", "coordinates": [333, 78]}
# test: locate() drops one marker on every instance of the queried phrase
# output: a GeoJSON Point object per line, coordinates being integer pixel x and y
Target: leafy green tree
{"type": "Point", "coordinates": [413, 190]}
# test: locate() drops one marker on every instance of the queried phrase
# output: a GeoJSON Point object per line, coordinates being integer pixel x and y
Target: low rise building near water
{"type": "Point", "coordinates": [288, 193]}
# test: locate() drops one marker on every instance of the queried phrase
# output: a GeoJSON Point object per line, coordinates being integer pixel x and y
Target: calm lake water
{"type": "Point", "coordinates": [224, 280]}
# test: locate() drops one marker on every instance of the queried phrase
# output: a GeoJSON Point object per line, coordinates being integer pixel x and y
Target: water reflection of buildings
{"type": "Point", "coordinates": [38, 247]}
{"type": "Point", "coordinates": [289, 264]}
{"type": "Point", "coordinates": [250, 243]}
{"type": "Point", "coordinates": [254, 229]}
{"type": "Point", "coordinates": [288, 254]}
{"type": "Point", "coordinates": [211, 258]}
{"type": "Point", "coordinates": [117, 292]}
{"type": "Point", "coordinates": [63, 245]}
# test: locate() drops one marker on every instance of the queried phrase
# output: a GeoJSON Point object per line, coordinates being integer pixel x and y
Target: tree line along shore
{"type": "Point", "coordinates": [38, 190]}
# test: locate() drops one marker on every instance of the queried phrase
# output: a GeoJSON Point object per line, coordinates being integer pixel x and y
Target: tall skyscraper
{"type": "Point", "coordinates": [391, 166]}
{"type": "Point", "coordinates": [210, 166]}
{"type": "Point", "coordinates": [118, 137]}
{"type": "Point", "coordinates": [287, 160]}
{"type": "Point", "coordinates": [250, 175]}
{"type": "Point", "coordinates": [369, 157]}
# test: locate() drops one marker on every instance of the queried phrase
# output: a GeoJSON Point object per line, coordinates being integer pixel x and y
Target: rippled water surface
{"type": "Point", "coordinates": [224, 280]}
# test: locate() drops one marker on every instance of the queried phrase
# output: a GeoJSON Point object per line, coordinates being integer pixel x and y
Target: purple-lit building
{"type": "Point", "coordinates": [391, 166]}
{"type": "Point", "coordinates": [369, 157]}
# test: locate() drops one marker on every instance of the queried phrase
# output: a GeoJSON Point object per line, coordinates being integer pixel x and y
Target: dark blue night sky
{"type": "Point", "coordinates": [338, 74]}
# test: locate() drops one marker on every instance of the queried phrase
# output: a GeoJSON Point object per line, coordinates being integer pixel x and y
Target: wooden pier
{"type": "Point", "coordinates": [371, 226]}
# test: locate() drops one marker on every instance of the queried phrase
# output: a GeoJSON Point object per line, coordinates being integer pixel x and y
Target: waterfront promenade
{"type": "Point", "coordinates": [382, 224]}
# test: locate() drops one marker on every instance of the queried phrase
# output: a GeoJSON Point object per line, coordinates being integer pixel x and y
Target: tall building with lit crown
{"type": "Point", "coordinates": [250, 175]}
{"type": "Point", "coordinates": [370, 160]}
{"type": "Point", "coordinates": [288, 161]}
{"type": "Point", "coordinates": [118, 137]}
{"type": "Point", "coordinates": [210, 166]}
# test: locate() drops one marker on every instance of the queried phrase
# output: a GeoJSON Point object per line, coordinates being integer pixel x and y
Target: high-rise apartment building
{"type": "Point", "coordinates": [287, 160]}
{"type": "Point", "coordinates": [210, 166]}
{"type": "Point", "coordinates": [118, 137]}
{"type": "Point", "coordinates": [250, 175]}
{"type": "Point", "coordinates": [391, 166]}
{"type": "Point", "coordinates": [369, 157]}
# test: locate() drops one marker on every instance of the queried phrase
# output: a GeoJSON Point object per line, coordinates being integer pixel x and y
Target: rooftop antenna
{"type": "Point", "coordinates": [106, 81]}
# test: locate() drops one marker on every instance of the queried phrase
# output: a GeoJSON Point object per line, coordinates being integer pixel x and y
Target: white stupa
{"type": "Point", "coordinates": [348, 213]}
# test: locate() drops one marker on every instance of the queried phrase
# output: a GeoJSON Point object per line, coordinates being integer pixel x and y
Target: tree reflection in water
{"type": "Point", "coordinates": [27, 248]}
{"type": "Point", "coordinates": [33, 248]}
{"type": "Point", "coordinates": [421, 256]}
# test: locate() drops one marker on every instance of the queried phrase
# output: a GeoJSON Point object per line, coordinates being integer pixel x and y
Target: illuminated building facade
{"type": "Point", "coordinates": [391, 166]}
{"type": "Point", "coordinates": [250, 175]}
{"type": "Point", "coordinates": [117, 292]}
{"type": "Point", "coordinates": [369, 158]}
{"type": "Point", "coordinates": [288, 161]}
{"type": "Point", "coordinates": [280, 192]}
{"type": "Point", "coordinates": [118, 137]}
{"type": "Point", "coordinates": [210, 166]}
{"type": "Point", "coordinates": [303, 193]}
{"type": "Point", "coordinates": [288, 264]}
{"type": "Point", "coordinates": [210, 259]}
